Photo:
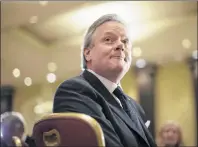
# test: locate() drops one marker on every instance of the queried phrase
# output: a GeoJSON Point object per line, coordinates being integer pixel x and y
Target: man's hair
{"type": "Point", "coordinates": [90, 31]}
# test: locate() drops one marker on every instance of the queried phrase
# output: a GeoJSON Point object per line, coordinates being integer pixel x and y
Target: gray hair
{"type": "Point", "coordinates": [89, 33]}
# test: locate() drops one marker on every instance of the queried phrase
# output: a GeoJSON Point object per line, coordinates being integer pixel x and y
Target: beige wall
{"type": "Point", "coordinates": [175, 99]}
{"type": "Point", "coordinates": [129, 85]}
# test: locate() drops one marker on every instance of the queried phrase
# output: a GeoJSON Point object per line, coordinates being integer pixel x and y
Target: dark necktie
{"type": "Point", "coordinates": [123, 99]}
{"type": "Point", "coordinates": [128, 109]}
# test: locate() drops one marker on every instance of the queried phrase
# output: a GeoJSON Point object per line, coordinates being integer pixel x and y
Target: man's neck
{"type": "Point", "coordinates": [109, 76]}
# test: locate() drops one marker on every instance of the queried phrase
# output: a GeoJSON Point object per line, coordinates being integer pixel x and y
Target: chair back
{"type": "Point", "coordinates": [68, 129]}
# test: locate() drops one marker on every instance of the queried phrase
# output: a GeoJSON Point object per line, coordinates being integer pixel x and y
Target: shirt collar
{"type": "Point", "coordinates": [107, 83]}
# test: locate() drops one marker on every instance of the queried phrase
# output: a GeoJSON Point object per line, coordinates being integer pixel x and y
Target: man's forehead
{"type": "Point", "coordinates": [112, 28]}
{"type": "Point", "coordinates": [115, 32]}
{"type": "Point", "coordinates": [112, 25]}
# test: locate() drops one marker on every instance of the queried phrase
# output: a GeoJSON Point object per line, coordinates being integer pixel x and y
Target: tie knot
{"type": "Point", "coordinates": [118, 92]}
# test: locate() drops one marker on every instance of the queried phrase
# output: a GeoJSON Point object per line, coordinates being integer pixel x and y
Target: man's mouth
{"type": "Point", "coordinates": [120, 57]}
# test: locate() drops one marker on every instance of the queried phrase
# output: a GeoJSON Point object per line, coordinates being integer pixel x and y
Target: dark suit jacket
{"type": "Point", "coordinates": [86, 94]}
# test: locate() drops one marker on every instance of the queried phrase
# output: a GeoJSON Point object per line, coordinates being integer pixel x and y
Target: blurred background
{"type": "Point", "coordinates": [41, 46]}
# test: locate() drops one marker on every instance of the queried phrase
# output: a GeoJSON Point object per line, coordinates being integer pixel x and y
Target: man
{"type": "Point", "coordinates": [106, 54]}
{"type": "Point", "coordinates": [13, 124]}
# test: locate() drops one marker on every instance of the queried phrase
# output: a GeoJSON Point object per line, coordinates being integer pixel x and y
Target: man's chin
{"type": "Point", "coordinates": [171, 145]}
{"type": "Point", "coordinates": [118, 68]}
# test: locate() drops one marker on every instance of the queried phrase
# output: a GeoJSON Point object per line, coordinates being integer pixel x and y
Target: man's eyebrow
{"type": "Point", "coordinates": [109, 33]}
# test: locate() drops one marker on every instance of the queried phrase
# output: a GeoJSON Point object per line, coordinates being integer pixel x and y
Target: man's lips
{"type": "Point", "coordinates": [119, 57]}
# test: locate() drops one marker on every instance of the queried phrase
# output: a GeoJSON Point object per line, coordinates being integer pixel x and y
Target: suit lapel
{"type": "Point", "coordinates": [114, 105]}
{"type": "Point", "coordinates": [147, 133]}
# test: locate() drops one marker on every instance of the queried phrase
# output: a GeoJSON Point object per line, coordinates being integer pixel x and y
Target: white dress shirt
{"type": "Point", "coordinates": [108, 84]}
{"type": "Point", "coordinates": [111, 87]}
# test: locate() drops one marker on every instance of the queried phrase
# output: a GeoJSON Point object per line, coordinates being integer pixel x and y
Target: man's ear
{"type": "Point", "coordinates": [87, 54]}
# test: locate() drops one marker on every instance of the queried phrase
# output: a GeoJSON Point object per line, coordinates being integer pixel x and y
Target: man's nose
{"type": "Point", "coordinates": [120, 46]}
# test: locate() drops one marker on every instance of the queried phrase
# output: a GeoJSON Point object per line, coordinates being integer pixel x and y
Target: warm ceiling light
{"type": "Point", "coordinates": [38, 109]}
{"type": "Point", "coordinates": [140, 63]}
{"type": "Point", "coordinates": [84, 17]}
{"type": "Point", "coordinates": [52, 67]}
{"type": "Point", "coordinates": [186, 43]}
{"type": "Point", "coordinates": [16, 72]}
{"type": "Point", "coordinates": [33, 19]}
{"type": "Point", "coordinates": [28, 81]}
{"type": "Point", "coordinates": [43, 3]}
{"type": "Point", "coordinates": [121, 8]}
{"type": "Point", "coordinates": [137, 52]}
{"type": "Point", "coordinates": [51, 77]}
{"type": "Point", "coordinates": [44, 107]}
{"type": "Point", "coordinates": [195, 55]}
{"type": "Point", "coordinates": [134, 13]}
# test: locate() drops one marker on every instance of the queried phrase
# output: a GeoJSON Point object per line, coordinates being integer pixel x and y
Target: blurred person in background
{"type": "Point", "coordinates": [170, 135]}
{"type": "Point", "coordinates": [107, 56]}
{"type": "Point", "coordinates": [13, 124]}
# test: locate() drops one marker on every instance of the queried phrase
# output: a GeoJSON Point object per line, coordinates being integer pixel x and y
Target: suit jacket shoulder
{"type": "Point", "coordinates": [75, 88]}
{"type": "Point", "coordinates": [77, 95]}
{"type": "Point", "coordinates": [76, 83]}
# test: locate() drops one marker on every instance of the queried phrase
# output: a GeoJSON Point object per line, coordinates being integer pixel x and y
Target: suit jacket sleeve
{"type": "Point", "coordinates": [77, 96]}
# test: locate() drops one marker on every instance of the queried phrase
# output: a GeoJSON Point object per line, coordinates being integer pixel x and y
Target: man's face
{"type": "Point", "coordinates": [170, 135]}
{"type": "Point", "coordinates": [111, 51]}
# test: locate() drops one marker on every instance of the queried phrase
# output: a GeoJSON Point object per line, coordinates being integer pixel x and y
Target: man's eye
{"type": "Point", "coordinates": [108, 39]}
{"type": "Point", "coordinates": [125, 41]}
